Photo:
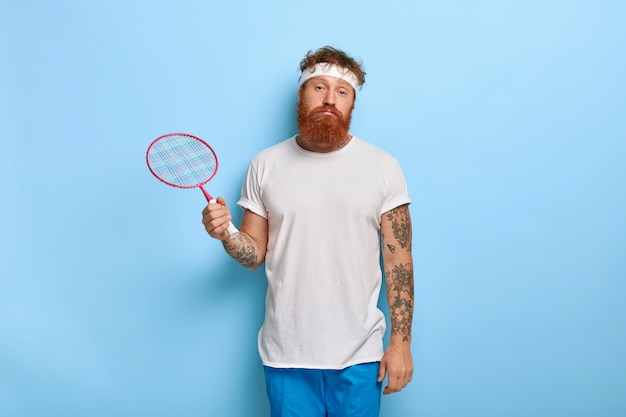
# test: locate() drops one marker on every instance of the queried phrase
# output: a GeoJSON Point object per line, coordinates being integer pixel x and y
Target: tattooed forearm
{"type": "Point", "coordinates": [396, 237]}
{"type": "Point", "coordinates": [243, 250]}
{"type": "Point", "coordinates": [401, 226]}
{"type": "Point", "coordinates": [400, 289]}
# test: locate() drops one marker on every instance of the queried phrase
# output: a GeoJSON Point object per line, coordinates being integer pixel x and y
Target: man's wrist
{"type": "Point", "coordinates": [400, 340]}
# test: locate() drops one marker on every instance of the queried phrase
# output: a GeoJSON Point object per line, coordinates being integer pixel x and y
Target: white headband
{"type": "Point", "coordinates": [330, 70]}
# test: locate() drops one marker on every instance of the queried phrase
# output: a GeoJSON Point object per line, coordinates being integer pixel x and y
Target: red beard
{"type": "Point", "coordinates": [323, 128]}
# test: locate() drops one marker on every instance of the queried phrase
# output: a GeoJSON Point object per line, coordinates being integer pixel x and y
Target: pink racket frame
{"type": "Point", "coordinates": [208, 196]}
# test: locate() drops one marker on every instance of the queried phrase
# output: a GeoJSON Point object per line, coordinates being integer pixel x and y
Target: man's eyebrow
{"type": "Point", "coordinates": [343, 83]}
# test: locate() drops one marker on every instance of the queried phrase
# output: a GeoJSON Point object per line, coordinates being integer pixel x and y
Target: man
{"type": "Point", "coordinates": [319, 209]}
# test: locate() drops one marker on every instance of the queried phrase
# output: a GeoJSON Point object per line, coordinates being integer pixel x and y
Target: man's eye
{"type": "Point", "coordinates": [342, 92]}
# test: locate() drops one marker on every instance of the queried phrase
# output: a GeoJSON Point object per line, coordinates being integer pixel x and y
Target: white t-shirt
{"type": "Point", "coordinates": [323, 254]}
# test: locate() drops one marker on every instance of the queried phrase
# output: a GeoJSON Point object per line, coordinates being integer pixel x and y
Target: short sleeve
{"type": "Point", "coordinates": [251, 193]}
{"type": "Point", "coordinates": [397, 192]}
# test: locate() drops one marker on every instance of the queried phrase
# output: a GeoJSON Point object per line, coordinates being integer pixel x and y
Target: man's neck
{"type": "Point", "coordinates": [314, 146]}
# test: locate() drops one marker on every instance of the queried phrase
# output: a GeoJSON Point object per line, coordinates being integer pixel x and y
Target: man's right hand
{"type": "Point", "coordinates": [216, 217]}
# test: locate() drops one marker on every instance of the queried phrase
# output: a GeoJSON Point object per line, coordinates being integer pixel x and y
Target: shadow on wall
{"type": "Point", "coordinates": [235, 297]}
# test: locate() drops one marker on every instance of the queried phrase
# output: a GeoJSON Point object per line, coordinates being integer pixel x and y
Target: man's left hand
{"type": "Point", "coordinates": [398, 363]}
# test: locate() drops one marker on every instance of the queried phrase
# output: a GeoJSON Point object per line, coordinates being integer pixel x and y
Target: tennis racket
{"type": "Point", "coordinates": [182, 160]}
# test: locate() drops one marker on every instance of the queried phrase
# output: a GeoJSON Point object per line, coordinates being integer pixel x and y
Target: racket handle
{"type": "Point", "coordinates": [232, 230]}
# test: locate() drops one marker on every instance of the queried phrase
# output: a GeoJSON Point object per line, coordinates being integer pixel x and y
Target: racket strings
{"type": "Point", "coordinates": [182, 161]}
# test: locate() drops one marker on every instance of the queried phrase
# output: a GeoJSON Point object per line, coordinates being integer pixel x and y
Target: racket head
{"type": "Point", "coordinates": [181, 160]}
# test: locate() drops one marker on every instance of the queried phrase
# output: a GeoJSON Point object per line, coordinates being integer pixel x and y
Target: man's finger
{"type": "Point", "coordinates": [397, 383]}
{"type": "Point", "coordinates": [382, 371]}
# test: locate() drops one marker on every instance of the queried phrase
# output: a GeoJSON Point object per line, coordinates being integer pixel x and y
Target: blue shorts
{"type": "Point", "coordinates": [349, 392]}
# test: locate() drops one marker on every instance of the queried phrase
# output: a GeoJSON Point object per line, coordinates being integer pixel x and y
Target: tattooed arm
{"type": "Point", "coordinates": [248, 248]}
{"type": "Point", "coordinates": [396, 238]}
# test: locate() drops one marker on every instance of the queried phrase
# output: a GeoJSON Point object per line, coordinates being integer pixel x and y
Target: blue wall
{"type": "Point", "coordinates": [508, 117]}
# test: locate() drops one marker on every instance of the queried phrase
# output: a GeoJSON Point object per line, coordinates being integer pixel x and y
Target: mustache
{"type": "Point", "coordinates": [327, 108]}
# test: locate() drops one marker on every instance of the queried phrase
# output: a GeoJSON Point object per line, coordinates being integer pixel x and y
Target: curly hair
{"type": "Point", "coordinates": [334, 56]}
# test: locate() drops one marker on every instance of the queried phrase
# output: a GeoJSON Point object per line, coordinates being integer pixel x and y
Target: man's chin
{"type": "Point", "coordinates": [323, 126]}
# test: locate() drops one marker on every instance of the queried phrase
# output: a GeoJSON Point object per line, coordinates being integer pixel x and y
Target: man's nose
{"type": "Point", "coordinates": [329, 98]}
